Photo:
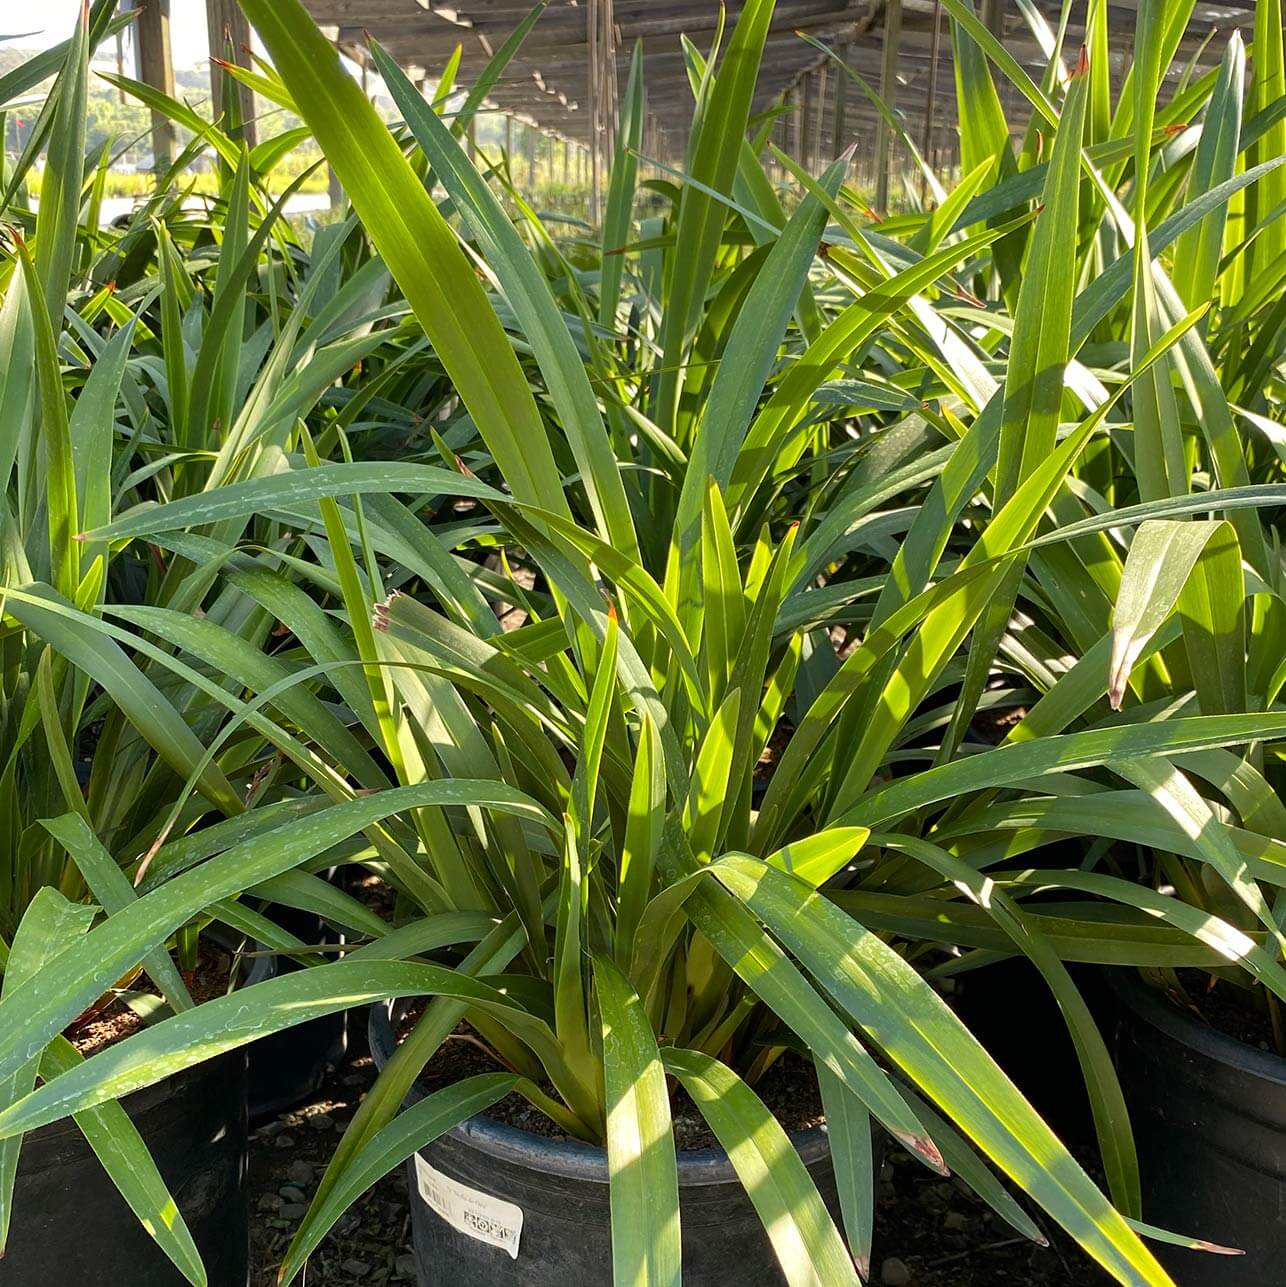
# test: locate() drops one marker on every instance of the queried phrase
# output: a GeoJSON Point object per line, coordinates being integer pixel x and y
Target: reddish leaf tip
{"type": "Point", "coordinates": [1216, 1250]}
{"type": "Point", "coordinates": [925, 1149]}
{"type": "Point", "coordinates": [1082, 63]}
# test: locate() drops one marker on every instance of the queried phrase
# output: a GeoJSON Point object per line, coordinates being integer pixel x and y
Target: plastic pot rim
{"type": "Point", "coordinates": [1153, 1008]}
{"type": "Point", "coordinates": [571, 1159]}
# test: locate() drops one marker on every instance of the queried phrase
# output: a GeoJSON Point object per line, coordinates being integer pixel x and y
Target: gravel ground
{"type": "Point", "coordinates": [371, 1244]}
{"type": "Point", "coordinates": [929, 1232]}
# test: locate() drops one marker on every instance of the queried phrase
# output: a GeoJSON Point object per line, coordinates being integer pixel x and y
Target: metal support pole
{"type": "Point", "coordinates": [156, 68]}
{"type": "Point", "coordinates": [889, 93]}
{"type": "Point", "coordinates": [993, 16]}
{"type": "Point", "coordinates": [228, 30]}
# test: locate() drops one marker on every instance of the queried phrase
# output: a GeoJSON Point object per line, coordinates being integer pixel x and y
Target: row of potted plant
{"type": "Point", "coordinates": [721, 633]}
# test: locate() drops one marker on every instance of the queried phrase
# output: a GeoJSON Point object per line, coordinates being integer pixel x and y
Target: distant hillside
{"type": "Point", "coordinates": [117, 119]}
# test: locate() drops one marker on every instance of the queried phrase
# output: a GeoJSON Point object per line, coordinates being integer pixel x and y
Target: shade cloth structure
{"type": "Point", "coordinates": [564, 78]}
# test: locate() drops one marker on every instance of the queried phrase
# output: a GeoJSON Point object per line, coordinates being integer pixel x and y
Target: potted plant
{"type": "Point", "coordinates": [1181, 616]}
{"type": "Point", "coordinates": [582, 813]}
{"type": "Point", "coordinates": [189, 1136]}
{"type": "Point", "coordinates": [1194, 840]}
{"type": "Point", "coordinates": [139, 747]}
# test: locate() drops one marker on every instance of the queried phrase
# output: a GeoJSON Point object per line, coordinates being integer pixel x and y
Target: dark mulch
{"type": "Point", "coordinates": [929, 1232]}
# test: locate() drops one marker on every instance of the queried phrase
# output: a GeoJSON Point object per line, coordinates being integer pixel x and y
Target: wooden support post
{"type": "Point", "coordinates": [532, 140]}
{"type": "Point", "coordinates": [611, 104]}
{"type": "Point", "coordinates": [889, 93]}
{"type": "Point", "coordinates": [819, 119]}
{"type": "Point", "coordinates": [593, 20]}
{"type": "Point", "coordinates": [805, 157]}
{"type": "Point", "coordinates": [600, 44]}
{"type": "Point", "coordinates": [156, 68]}
{"type": "Point", "coordinates": [229, 38]}
{"type": "Point", "coordinates": [926, 146]}
{"type": "Point", "coordinates": [840, 140]}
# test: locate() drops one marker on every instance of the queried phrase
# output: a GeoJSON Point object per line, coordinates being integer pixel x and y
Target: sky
{"type": "Point", "coordinates": [50, 21]}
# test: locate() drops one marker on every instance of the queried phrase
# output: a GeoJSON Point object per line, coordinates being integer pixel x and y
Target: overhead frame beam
{"type": "Point", "coordinates": [548, 80]}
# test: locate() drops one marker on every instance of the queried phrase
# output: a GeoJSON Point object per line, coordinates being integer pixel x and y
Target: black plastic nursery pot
{"type": "Point", "coordinates": [1209, 1117]}
{"type": "Point", "coordinates": [287, 1067]}
{"type": "Point", "coordinates": [71, 1226]}
{"type": "Point", "coordinates": [492, 1205]}
{"type": "Point", "coordinates": [1008, 1006]}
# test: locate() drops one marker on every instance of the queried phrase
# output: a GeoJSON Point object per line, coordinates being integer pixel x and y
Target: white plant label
{"type": "Point", "coordinates": [477, 1214]}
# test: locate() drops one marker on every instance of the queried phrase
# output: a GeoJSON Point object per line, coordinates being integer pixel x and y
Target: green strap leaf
{"type": "Point", "coordinates": [231, 1021]}
{"type": "Point", "coordinates": [848, 1129]}
{"type": "Point", "coordinates": [419, 247]}
{"type": "Point", "coordinates": [917, 1031]}
{"type": "Point", "coordinates": [529, 294]}
{"type": "Point", "coordinates": [803, 1235]}
{"type": "Point", "coordinates": [38, 1010]}
{"type": "Point", "coordinates": [640, 1139]}
{"type": "Point", "coordinates": [413, 1129]}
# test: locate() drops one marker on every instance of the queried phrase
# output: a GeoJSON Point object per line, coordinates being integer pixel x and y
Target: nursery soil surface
{"type": "Point", "coordinates": [788, 1088]}
{"type": "Point", "coordinates": [95, 1030]}
{"type": "Point", "coordinates": [928, 1231]}
{"type": "Point", "coordinates": [1227, 1008]}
